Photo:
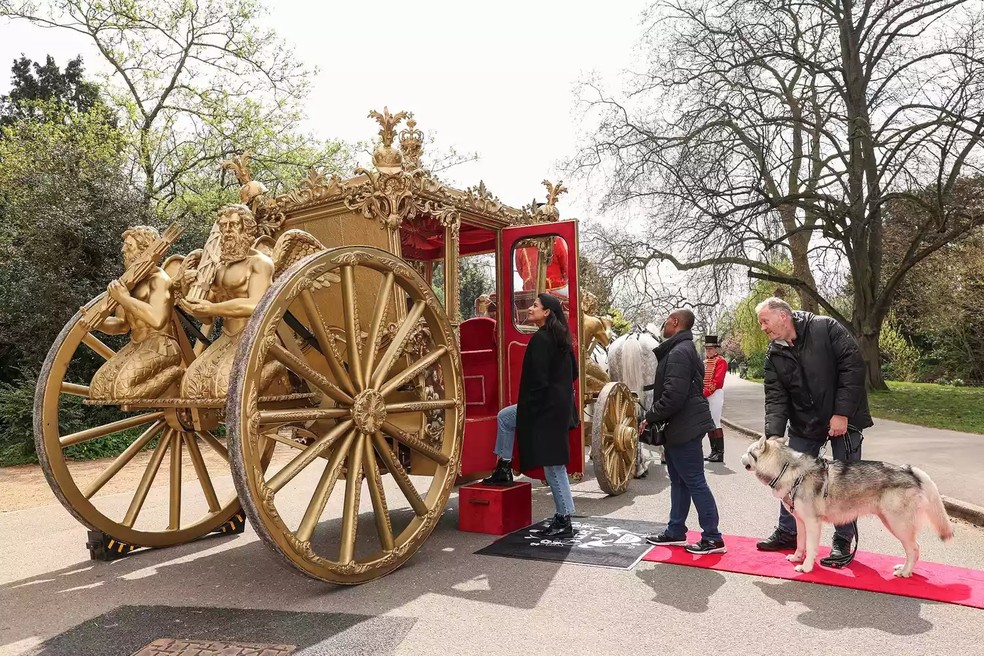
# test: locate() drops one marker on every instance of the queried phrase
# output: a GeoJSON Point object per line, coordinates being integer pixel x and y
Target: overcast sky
{"type": "Point", "coordinates": [494, 78]}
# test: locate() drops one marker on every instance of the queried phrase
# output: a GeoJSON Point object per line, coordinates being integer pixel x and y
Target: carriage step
{"type": "Point", "coordinates": [107, 548]}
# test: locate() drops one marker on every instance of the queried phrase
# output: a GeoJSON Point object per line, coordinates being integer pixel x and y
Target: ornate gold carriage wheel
{"type": "Point", "coordinates": [183, 450]}
{"type": "Point", "coordinates": [614, 438]}
{"type": "Point", "coordinates": [370, 380]}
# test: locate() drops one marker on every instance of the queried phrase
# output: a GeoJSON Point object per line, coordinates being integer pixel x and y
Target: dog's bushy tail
{"type": "Point", "coordinates": [936, 511]}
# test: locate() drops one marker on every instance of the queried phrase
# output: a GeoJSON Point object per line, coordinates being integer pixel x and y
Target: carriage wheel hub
{"type": "Point", "coordinates": [625, 438]}
{"type": "Point", "coordinates": [369, 411]}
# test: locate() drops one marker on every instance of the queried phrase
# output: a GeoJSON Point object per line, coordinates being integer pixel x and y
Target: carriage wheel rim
{"type": "Point", "coordinates": [356, 397]}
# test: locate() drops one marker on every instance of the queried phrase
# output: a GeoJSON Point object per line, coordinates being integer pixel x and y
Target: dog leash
{"type": "Point", "coordinates": [838, 563]}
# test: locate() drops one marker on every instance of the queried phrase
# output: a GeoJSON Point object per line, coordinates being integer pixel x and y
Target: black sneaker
{"type": "Point", "coordinates": [502, 475]}
{"type": "Point", "coordinates": [564, 530]}
{"type": "Point", "coordinates": [706, 546]}
{"type": "Point", "coordinates": [778, 541]}
{"type": "Point", "coordinates": [665, 540]}
{"type": "Point", "coordinates": [557, 521]}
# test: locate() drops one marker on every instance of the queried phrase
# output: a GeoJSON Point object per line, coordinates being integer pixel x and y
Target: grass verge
{"type": "Point", "coordinates": [933, 406]}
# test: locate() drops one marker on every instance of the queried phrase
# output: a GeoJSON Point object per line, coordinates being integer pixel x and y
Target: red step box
{"type": "Point", "coordinates": [495, 509]}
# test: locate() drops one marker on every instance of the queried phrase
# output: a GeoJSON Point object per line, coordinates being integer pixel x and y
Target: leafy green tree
{"type": "Point", "coordinates": [196, 82]}
{"type": "Point", "coordinates": [38, 88]}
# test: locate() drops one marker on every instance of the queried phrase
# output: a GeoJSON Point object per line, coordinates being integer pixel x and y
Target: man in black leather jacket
{"type": "Point", "coordinates": [679, 403]}
{"type": "Point", "coordinates": [815, 382]}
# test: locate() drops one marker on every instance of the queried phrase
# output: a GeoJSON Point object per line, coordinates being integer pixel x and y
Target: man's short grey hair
{"type": "Point", "coordinates": [775, 304]}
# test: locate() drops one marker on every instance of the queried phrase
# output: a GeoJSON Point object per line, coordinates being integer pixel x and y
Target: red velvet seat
{"type": "Point", "coordinates": [480, 364]}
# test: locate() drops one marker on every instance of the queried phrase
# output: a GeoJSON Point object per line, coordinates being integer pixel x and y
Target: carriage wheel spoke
{"type": "Point", "coordinates": [303, 370]}
{"type": "Point", "coordinates": [384, 526]}
{"type": "Point", "coordinates": [396, 346]}
{"type": "Point", "coordinates": [304, 414]}
{"type": "Point", "coordinates": [213, 442]}
{"type": "Point", "coordinates": [140, 495]}
{"type": "Point", "coordinates": [420, 406]}
{"type": "Point", "coordinates": [352, 328]}
{"type": "Point", "coordinates": [413, 370]}
{"type": "Point", "coordinates": [415, 443]}
{"type": "Point", "coordinates": [321, 334]}
{"type": "Point", "coordinates": [382, 307]}
{"type": "Point", "coordinates": [198, 461]}
{"type": "Point", "coordinates": [399, 475]}
{"type": "Point", "coordinates": [109, 429]}
{"type": "Point", "coordinates": [98, 346]}
{"type": "Point", "coordinates": [74, 389]}
{"type": "Point", "coordinates": [323, 491]}
{"type": "Point", "coordinates": [353, 490]}
{"type": "Point", "coordinates": [306, 457]}
{"type": "Point", "coordinates": [175, 498]}
{"type": "Point", "coordinates": [124, 458]}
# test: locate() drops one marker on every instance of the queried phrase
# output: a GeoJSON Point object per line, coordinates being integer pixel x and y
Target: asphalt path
{"type": "Point", "coordinates": [447, 600]}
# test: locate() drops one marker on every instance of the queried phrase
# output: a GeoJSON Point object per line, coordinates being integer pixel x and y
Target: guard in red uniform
{"type": "Point", "coordinates": [715, 367]}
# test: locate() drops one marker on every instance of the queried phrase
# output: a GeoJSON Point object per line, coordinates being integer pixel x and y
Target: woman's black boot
{"type": "Point", "coordinates": [502, 475]}
{"type": "Point", "coordinates": [563, 531]}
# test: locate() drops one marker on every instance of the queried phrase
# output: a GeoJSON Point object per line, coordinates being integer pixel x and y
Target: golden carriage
{"type": "Point", "coordinates": [318, 351]}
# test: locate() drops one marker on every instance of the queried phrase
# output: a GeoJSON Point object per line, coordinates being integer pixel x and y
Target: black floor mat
{"type": "Point", "coordinates": [598, 541]}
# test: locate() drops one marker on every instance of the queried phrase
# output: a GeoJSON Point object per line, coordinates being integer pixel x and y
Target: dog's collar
{"type": "Point", "coordinates": [775, 480]}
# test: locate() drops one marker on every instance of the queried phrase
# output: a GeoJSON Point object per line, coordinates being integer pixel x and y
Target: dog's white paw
{"type": "Point", "coordinates": [899, 571]}
{"type": "Point", "coordinates": [795, 558]}
{"type": "Point", "coordinates": [805, 568]}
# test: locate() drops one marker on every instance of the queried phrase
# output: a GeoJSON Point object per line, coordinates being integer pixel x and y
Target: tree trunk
{"type": "Point", "coordinates": [799, 249]}
{"type": "Point", "coordinates": [872, 359]}
{"type": "Point", "coordinates": [799, 245]}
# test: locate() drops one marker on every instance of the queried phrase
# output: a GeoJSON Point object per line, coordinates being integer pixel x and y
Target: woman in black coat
{"type": "Point", "coordinates": [541, 418]}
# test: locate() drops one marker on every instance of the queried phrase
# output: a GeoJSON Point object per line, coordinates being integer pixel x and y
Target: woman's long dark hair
{"type": "Point", "coordinates": [556, 323]}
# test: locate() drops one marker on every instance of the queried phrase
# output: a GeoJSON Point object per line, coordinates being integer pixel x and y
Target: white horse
{"type": "Point", "coordinates": [631, 361]}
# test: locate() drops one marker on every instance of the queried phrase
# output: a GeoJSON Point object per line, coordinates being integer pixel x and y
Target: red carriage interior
{"type": "Point", "coordinates": [487, 347]}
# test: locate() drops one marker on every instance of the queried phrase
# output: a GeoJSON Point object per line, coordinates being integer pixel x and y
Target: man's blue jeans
{"type": "Point", "coordinates": [556, 475]}
{"type": "Point", "coordinates": [685, 466]}
{"type": "Point", "coordinates": [839, 448]}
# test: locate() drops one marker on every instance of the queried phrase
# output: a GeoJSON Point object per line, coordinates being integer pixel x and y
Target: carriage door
{"type": "Point", "coordinates": [535, 259]}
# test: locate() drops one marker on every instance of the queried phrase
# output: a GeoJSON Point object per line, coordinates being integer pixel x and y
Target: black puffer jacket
{"type": "Point", "coordinates": [821, 375]}
{"type": "Point", "coordinates": [678, 394]}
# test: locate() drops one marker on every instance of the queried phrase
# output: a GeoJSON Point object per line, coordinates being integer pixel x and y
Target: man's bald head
{"type": "Point", "coordinates": [678, 320]}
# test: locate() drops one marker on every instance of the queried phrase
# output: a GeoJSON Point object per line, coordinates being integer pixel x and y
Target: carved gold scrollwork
{"type": "Point", "coordinates": [411, 144]}
{"type": "Point", "coordinates": [447, 215]}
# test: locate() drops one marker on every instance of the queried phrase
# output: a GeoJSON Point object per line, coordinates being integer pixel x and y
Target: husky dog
{"type": "Point", "coordinates": [815, 491]}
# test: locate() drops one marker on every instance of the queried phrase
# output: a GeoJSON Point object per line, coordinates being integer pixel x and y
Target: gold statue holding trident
{"type": "Point", "coordinates": [150, 364]}
{"type": "Point", "coordinates": [234, 271]}
{"type": "Point", "coordinates": [230, 279]}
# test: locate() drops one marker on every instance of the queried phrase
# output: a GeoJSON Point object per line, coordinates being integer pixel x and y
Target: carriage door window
{"type": "Point", "coordinates": [540, 264]}
{"type": "Point", "coordinates": [476, 280]}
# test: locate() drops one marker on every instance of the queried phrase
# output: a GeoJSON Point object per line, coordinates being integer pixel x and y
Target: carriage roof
{"type": "Point", "coordinates": [399, 194]}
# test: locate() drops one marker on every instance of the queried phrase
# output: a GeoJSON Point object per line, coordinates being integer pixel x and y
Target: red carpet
{"type": "Point", "coordinates": [869, 571]}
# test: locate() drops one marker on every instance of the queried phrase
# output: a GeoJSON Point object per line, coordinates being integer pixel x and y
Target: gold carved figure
{"type": "Point", "coordinates": [150, 364]}
{"type": "Point", "coordinates": [596, 334]}
{"type": "Point", "coordinates": [229, 281]}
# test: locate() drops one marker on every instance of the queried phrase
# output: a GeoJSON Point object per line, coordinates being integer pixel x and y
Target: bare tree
{"type": "Point", "coordinates": [198, 81]}
{"type": "Point", "coordinates": [790, 124]}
